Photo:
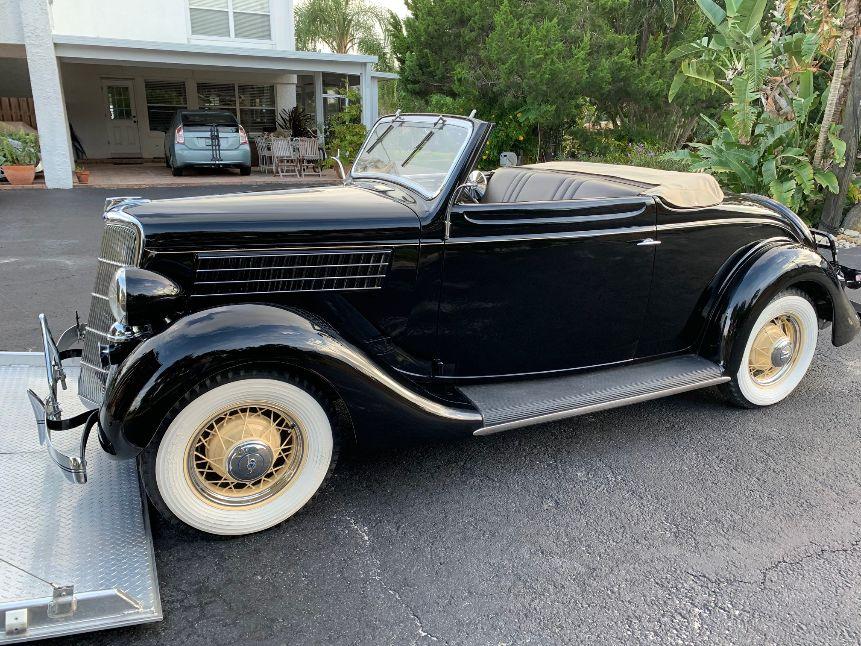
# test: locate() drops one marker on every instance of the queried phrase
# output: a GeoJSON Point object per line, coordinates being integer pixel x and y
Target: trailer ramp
{"type": "Point", "coordinates": [73, 558]}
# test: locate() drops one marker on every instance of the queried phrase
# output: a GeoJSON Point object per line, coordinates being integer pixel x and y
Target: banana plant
{"type": "Point", "coordinates": [765, 139]}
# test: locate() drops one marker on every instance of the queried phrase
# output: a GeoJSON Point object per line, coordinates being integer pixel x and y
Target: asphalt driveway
{"type": "Point", "coordinates": [676, 521]}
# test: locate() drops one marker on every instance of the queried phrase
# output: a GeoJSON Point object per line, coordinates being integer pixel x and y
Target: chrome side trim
{"type": "Point", "coordinates": [288, 280]}
{"type": "Point", "coordinates": [557, 235]}
{"type": "Point", "coordinates": [274, 251]}
{"type": "Point", "coordinates": [616, 403]}
{"type": "Point", "coordinates": [355, 264]}
{"type": "Point", "coordinates": [693, 224]}
{"type": "Point", "coordinates": [564, 235]}
{"type": "Point", "coordinates": [292, 291]}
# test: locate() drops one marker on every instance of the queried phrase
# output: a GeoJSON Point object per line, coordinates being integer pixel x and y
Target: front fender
{"type": "Point", "coordinates": [760, 277]}
{"type": "Point", "coordinates": [157, 373]}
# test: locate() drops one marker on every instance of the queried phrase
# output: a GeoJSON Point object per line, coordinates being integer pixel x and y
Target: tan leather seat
{"type": "Point", "coordinates": [514, 184]}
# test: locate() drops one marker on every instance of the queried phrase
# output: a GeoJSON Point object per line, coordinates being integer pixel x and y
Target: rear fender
{"type": "Point", "coordinates": [759, 278]}
{"type": "Point", "coordinates": [143, 389]}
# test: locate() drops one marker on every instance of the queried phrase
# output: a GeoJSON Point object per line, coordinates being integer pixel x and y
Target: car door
{"type": "Point", "coordinates": [544, 286]}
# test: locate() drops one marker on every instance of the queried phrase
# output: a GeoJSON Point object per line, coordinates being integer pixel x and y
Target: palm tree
{"type": "Point", "coordinates": [849, 27]}
{"type": "Point", "coordinates": [341, 26]}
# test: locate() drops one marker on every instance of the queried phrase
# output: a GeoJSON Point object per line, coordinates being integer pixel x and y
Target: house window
{"type": "Point", "coordinates": [246, 19]}
{"type": "Point", "coordinates": [257, 107]}
{"type": "Point", "coordinates": [254, 105]}
{"type": "Point", "coordinates": [163, 99]}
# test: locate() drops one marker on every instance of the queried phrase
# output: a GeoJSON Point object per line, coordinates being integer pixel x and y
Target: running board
{"type": "Point", "coordinates": [512, 404]}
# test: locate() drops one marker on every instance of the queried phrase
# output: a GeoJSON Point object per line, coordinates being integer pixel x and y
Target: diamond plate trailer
{"type": "Point", "coordinates": [73, 559]}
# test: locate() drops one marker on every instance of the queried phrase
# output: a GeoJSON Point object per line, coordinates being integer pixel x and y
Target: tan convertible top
{"type": "Point", "coordinates": [682, 190]}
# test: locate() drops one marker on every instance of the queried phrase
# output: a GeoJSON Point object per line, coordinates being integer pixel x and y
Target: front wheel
{"type": "Point", "coordinates": [776, 353]}
{"type": "Point", "coordinates": [240, 455]}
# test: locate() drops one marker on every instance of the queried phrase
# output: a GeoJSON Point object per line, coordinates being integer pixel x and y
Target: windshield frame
{"type": "Point", "coordinates": [430, 119]}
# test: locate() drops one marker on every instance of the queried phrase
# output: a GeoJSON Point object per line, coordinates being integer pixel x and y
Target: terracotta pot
{"type": "Point", "coordinates": [20, 175]}
{"type": "Point", "coordinates": [83, 176]}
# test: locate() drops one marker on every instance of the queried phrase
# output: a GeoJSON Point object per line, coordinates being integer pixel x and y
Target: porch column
{"type": "Point", "coordinates": [50, 105]}
{"type": "Point", "coordinates": [375, 98]}
{"type": "Point", "coordinates": [367, 98]}
{"type": "Point", "coordinates": [285, 92]}
{"type": "Point", "coordinates": [318, 102]}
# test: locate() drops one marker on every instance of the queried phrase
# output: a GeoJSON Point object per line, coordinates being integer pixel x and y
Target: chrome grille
{"type": "Point", "coordinates": [290, 271]}
{"type": "Point", "coordinates": [119, 248]}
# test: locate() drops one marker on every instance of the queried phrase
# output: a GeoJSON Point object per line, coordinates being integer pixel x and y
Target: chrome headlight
{"type": "Point", "coordinates": [118, 296]}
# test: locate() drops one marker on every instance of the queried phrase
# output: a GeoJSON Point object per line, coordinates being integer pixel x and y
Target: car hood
{"type": "Point", "coordinates": [335, 214]}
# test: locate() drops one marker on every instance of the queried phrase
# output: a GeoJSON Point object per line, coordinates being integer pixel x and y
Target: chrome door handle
{"type": "Point", "coordinates": [648, 242]}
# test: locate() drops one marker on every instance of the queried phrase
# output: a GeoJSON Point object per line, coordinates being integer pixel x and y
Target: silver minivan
{"type": "Point", "coordinates": [204, 138]}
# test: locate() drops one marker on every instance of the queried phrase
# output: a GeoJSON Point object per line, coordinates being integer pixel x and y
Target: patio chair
{"type": "Point", "coordinates": [285, 157]}
{"type": "Point", "coordinates": [264, 153]}
{"type": "Point", "coordinates": [311, 155]}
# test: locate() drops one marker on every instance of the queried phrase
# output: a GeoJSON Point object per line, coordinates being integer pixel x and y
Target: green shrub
{"type": "Point", "coordinates": [19, 149]}
{"type": "Point", "coordinates": [345, 132]}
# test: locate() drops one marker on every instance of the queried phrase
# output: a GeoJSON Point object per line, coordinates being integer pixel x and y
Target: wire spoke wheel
{"type": "Point", "coordinates": [776, 353]}
{"type": "Point", "coordinates": [244, 455]}
{"type": "Point", "coordinates": [241, 453]}
{"type": "Point", "coordinates": [775, 350]}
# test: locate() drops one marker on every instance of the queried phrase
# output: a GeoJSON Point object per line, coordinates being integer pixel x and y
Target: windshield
{"type": "Point", "coordinates": [417, 150]}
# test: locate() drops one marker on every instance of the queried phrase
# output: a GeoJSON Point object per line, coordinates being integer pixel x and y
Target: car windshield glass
{"type": "Point", "coordinates": [208, 119]}
{"type": "Point", "coordinates": [418, 150]}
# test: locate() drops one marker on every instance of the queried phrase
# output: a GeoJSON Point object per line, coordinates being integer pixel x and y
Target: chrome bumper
{"type": "Point", "coordinates": [48, 412]}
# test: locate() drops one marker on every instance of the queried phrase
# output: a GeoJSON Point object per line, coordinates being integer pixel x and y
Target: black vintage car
{"type": "Point", "coordinates": [234, 342]}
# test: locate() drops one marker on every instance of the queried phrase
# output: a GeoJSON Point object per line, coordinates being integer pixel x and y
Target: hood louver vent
{"type": "Point", "coordinates": [230, 274]}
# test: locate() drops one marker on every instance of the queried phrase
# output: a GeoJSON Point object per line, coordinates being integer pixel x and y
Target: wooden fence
{"type": "Point", "coordinates": [18, 109]}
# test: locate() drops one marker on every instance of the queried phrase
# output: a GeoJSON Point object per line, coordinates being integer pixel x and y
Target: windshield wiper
{"type": "Point", "coordinates": [398, 118]}
{"type": "Point", "coordinates": [439, 123]}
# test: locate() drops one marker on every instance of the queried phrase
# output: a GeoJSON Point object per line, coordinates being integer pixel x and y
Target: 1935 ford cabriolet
{"type": "Point", "coordinates": [233, 342]}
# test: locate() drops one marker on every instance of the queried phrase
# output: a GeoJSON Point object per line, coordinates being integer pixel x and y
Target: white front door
{"type": "Point", "coordinates": [120, 118]}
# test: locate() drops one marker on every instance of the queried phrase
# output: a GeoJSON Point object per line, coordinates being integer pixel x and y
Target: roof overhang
{"type": "Point", "coordinates": [82, 49]}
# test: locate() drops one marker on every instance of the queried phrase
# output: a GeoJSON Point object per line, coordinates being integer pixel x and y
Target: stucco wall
{"type": "Point", "coordinates": [83, 89]}
{"type": "Point", "coordinates": [159, 20]}
{"type": "Point", "coordinates": [10, 22]}
{"type": "Point", "coordinates": [152, 20]}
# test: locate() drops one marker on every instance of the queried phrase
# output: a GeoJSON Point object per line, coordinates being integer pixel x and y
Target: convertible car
{"type": "Point", "coordinates": [235, 342]}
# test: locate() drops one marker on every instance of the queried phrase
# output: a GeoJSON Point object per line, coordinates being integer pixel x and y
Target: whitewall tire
{"type": "Point", "coordinates": [241, 456]}
{"type": "Point", "coordinates": [777, 352]}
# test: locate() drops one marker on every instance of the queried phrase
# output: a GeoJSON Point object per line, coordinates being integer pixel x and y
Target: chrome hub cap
{"type": "Point", "coordinates": [249, 460]}
{"type": "Point", "coordinates": [775, 350]}
{"type": "Point", "coordinates": [782, 353]}
{"type": "Point", "coordinates": [245, 455]}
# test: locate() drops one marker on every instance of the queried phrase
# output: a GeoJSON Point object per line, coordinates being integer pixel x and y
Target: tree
{"type": "Point", "coordinates": [342, 26]}
{"type": "Point", "coordinates": [832, 210]}
{"type": "Point", "coordinates": [542, 69]}
{"type": "Point", "coordinates": [765, 140]}
{"type": "Point", "coordinates": [849, 27]}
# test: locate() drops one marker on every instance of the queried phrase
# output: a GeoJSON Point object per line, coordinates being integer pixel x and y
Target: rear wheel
{"type": "Point", "coordinates": [245, 170]}
{"type": "Point", "coordinates": [240, 455]}
{"type": "Point", "coordinates": [776, 353]}
{"type": "Point", "coordinates": [176, 170]}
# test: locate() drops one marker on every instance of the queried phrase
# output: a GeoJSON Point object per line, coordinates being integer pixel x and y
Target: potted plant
{"type": "Point", "coordinates": [20, 154]}
{"type": "Point", "coordinates": [82, 174]}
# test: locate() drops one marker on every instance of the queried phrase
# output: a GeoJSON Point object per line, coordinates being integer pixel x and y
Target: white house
{"type": "Point", "coordinates": [116, 70]}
